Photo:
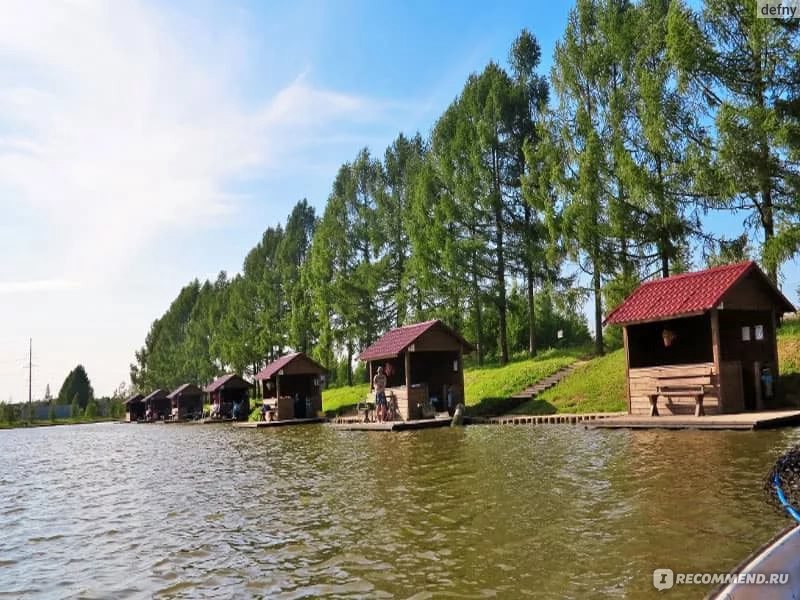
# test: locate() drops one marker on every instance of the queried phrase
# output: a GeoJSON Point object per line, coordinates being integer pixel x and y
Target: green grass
{"type": "Point", "coordinates": [488, 388]}
{"type": "Point", "coordinates": [341, 398]}
{"type": "Point", "coordinates": [597, 386]}
{"type": "Point", "coordinates": [789, 358]}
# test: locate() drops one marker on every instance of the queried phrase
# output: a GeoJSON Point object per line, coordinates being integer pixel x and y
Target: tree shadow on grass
{"type": "Point", "coordinates": [495, 407]}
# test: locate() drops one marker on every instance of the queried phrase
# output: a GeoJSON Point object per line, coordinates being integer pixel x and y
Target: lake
{"type": "Point", "coordinates": [171, 511]}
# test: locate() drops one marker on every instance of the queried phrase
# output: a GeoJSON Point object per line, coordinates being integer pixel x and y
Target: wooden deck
{"type": "Point", "coordinates": [280, 423]}
{"type": "Point", "coordinates": [554, 419]}
{"type": "Point", "coordinates": [391, 425]}
{"type": "Point", "coordinates": [742, 421]}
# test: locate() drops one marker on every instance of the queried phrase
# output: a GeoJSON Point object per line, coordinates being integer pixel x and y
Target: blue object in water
{"type": "Point", "coordinates": [776, 481]}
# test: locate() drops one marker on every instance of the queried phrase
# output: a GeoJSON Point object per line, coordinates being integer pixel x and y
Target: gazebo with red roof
{"type": "Point", "coordinates": [294, 385]}
{"type": "Point", "coordinates": [134, 408]}
{"type": "Point", "coordinates": [187, 402]}
{"type": "Point", "coordinates": [157, 405]}
{"type": "Point", "coordinates": [227, 391]}
{"type": "Point", "coordinates": [423, 366]}
{"type": "Point", "coordinates": [702, 341]}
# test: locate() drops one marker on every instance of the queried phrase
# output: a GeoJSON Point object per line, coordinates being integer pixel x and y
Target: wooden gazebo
{"type": "Point", "coordinates": [227, 391]}
{"type": "Point", "coordinates": [702, 342]}
{"type": "Point", "coordinates": [423, 366]}
{"type": "Point", "coordinates": [157, 404]}
{"type": "Point", "coordinates": [294, 385]}
{"type": "Point", "coordinates": [134, 408]}
{"type": "Point", "coordinates": [187, 402]}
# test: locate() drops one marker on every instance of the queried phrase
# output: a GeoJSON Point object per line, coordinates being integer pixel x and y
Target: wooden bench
{"type": "Point", "coordinates": [672, 386]}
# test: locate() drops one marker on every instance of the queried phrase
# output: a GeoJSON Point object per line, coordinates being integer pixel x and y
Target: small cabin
{"type": "Point", "coordinates": [157, 405]}
{"type": "Point", "coordinates": [187, 402]}
{"type": "Point", "coordinates": [702, 342]}
{"type": "Point", "coordinates": [424, 368]}
{"type": "Point", "coordinates": [134, 408]}
{"type": "Point", "coordinates": [292, 386]}
{"type": "Point", "coordinates": [228, 394]}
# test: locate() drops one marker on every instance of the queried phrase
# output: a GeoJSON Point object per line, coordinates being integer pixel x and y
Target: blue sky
{"type": "Point", "coordinates": [143, 144]}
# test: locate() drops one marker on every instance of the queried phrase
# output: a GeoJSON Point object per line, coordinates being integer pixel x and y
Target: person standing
{"type": "Point", "coordinates": [379, 384]}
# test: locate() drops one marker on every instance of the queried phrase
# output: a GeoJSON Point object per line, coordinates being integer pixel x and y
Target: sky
{"type": "Point", "coordinates": [143, 144]}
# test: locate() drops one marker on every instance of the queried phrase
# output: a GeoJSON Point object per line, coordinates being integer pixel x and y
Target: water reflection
{"type": "Point", "coordinates": [213, 512]}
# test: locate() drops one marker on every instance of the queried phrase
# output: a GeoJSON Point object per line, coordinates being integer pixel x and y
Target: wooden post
{"type": "Point", "coordinates": [759, 396]}
{"type": "Point", "coordinates": [716, 350]}
{"type": "Point", "coordinates": [277, 386]}
{"type": "Point", "coordinates": [777, 388]}
{"type": "Point", "coordinates": [369, 362]}
{"type": "Point", "coordinates": [627, 366]}
{"type": "Point", "coordinates": [462, 388]}
{"type": "Point", "coordinates": [411, 410]}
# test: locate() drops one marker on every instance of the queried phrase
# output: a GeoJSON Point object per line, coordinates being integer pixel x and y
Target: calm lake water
{"type": "Point", "coordinates": [138, 511]}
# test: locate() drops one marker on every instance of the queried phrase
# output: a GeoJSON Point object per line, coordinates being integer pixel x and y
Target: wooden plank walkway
{"type": "Point", "coordinates": [391, 425]}
{"type": "Point", "coordinates": [742, 421]}
{"type": "Point", "coordinates": [283, 423]}
{"type": "Point", "coordinates": [545, 384]}
{"type": "Point", "coordinates": [554, 419]}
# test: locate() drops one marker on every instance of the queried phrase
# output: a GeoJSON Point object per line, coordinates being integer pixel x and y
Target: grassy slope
{"type": "Point", "coordinates": [599, 386]}
{"type": "Point", "coordinates": [341, 398]}
{"type": "Point", "coordinates": [789, 358]}
{"type": "Point", "coordinates": [487, 387]}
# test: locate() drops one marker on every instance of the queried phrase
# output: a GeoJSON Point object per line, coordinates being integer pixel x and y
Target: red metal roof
{"type": "Point", "coordinates": [158, 394]}
{"type": "Point", "coordinates": [684, 294]}
{"type": "Point", "coordinates": [276, 365]}
{"type": "Point", "coordinates": [230, 377]}
{"type": "Point", "coordinates": [186, 387]}
{"type": "Point", "coordinates": [396, 340]}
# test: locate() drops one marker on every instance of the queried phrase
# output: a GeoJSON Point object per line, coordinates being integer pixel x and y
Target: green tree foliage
{"type": "Point", "coordinates": [76, 387]}
{"type": "Point", "coordinates": [745, 69]}
{"type": "Point", "coordinates": [75, 407]}
{"type": "Point", "coordinates": [580, 77]}
{"type": "Point", "coordinates": [519, 208]}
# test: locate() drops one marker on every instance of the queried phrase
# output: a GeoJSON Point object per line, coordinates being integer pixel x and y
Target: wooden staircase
{"type": "Point", "coordinates": [545, 384]}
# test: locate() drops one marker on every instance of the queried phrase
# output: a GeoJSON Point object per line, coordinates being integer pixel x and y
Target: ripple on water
{"type": "Point", "coordinates": [215, 512]}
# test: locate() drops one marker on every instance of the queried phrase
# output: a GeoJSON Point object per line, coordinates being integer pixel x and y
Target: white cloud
{"type": "Point", "coordinates": [116, 127]}
{"type": "Point", "coordinates": [42, 285]}
{"type": "Point", "coordinates": [123, 126]}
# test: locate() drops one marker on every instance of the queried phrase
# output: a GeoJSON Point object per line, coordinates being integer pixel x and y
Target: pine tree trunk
{"type": "Point", "coordinates": [529, 283]}
{"type": "Point", "coordinates": [501, 289]}
{"type": "Point", "coordinates": [349, 363]}
{"type": "Point", "coordinates": [531, 314]}
{"type": "Point", "coordinates": [598, 311]}
{"type": "Point", "coordinates": [476, 295]}
{"type": "Point", "coordinates": [502, 307]}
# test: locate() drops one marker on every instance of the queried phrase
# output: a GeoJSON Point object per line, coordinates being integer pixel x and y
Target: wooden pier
{"type": "Point", "coordinates": [352, 425]}
{"type": "Point", "coordinates": [558, 418]}
{"type": "Point", "coordinates": [278, 423]}
{"type": "Point", "coordinates": [740, 421]}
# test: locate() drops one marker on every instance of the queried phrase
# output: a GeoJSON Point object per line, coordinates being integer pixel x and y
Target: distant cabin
{"type": "Point", "coordinates": [134, 408]}
{"type": "Point", "coordinates": [228, 390]}
{"type": "Point", "coordinates": [292, 386]}
{"type": "Point", "coordinates": [702, 342]}
{"type": "Point", "coordinates": [186, 402]}
{"type": "Point", "coordinates": [424, 367]}
{"type": "Point", "coordinates": [158, 403]}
